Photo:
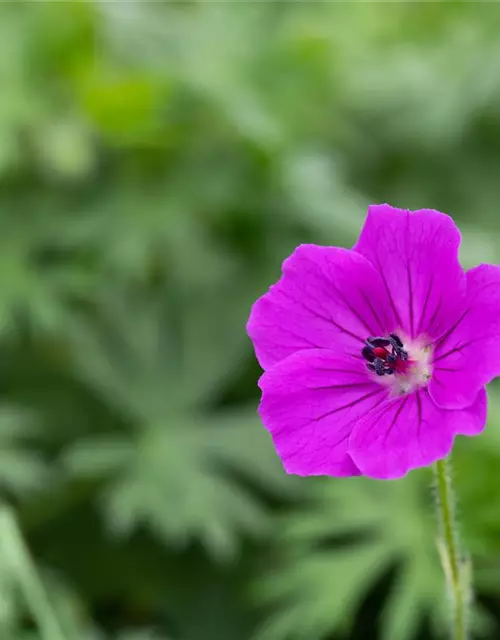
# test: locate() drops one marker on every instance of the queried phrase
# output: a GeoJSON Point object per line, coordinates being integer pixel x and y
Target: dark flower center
{"type": "Point", "coordinates": [385, 356]}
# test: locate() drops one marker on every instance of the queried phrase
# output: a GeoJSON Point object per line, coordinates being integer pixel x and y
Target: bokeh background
{"type": "Point", "coordinates": [158, 161]}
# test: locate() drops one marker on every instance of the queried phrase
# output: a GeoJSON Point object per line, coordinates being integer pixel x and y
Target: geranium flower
{"type": "Point", "coordinates": [376, 357]}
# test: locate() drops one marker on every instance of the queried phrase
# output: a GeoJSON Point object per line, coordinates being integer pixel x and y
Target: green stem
{"type": "Point", "coordinates": [450, 552]}
{"type": "Point", "coordinates": [23, 571]}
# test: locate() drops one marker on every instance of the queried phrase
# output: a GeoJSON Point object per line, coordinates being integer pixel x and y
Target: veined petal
{"type": "Point", "coordinates": [416, 253]}
{"type": "Point", "coordinates": [327, 298]}
{"type": "Point", "coordinates": [410, 432]}
{"type": "Point", "coordinates": [310, 403]}
{"type": "Point", "coordinates": [468, 355]}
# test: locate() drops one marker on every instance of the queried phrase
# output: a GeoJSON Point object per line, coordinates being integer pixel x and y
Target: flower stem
{"type": "Point", "coordinates": [22, 568]}
{"type": "Point", "coordinates": [457, 577]}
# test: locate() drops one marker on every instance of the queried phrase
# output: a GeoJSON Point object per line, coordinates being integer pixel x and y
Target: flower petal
{"type": "Point", "coordinates": [310, 402]}
{"type": "Point", "coordinates": [416, 253]}
{"type": "Point", "coordinates": [468, 355]}
{"type": "Point", "coordinates": [327, 298]}
{"type": "Point", "coordinates": [474, 421]}
{"type": "Point", "coordinates": [410, 432]}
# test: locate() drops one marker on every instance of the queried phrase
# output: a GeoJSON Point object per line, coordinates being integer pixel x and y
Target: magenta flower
{"type": "Point", "coordinates": [376, 357]}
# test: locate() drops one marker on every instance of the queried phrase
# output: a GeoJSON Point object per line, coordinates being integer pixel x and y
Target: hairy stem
{"type": "Point", "coordinates": [457, 577]}
{"type": "Point", "coordinates": [24, 573]}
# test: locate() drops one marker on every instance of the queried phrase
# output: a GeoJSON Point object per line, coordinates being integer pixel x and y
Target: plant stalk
{"type": "Point", "coordinates": [455, 569]}
{"type": "Point", "coordinates": [24, 573]}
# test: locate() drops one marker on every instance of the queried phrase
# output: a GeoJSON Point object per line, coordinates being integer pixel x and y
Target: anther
{"type": "Point", "coordinates": [383, 355]}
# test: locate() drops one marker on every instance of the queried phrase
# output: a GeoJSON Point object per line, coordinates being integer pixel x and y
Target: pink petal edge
{"type": "Point", "coordinates": [327, 298]}
{"type": "Point", "coordinates": [416, 253]}
{"type": "Point", "coordinates": [410, 432]}
{"type": "Point", "coordinates": [310, 403]}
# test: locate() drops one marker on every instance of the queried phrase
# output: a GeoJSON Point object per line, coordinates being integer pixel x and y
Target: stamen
{"type": "Point", "coordinates": [368, 354]}
{"type": "Point", "coordinates": [385, 356]}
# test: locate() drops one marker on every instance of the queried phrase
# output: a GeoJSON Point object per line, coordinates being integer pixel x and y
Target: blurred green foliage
{"type": "Point", "coordinates": [158, 161]}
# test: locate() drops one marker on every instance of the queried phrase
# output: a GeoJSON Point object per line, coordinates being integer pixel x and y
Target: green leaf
{"type": "Point", "coordinates": [22, 469]}
{"type": "Point", "coordinates": [158, 356]}
{"type": "Point", "coordinates": [320, 584]}
{"type": "Point", "coordinates": [177, 478]}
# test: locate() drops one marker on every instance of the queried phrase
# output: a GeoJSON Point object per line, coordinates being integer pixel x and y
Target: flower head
{"type": "Point", "coordinates": [377, 356]}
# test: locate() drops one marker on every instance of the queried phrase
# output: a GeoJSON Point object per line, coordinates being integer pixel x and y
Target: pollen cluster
{"type": "Point", "coordinates": [402, 364]}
